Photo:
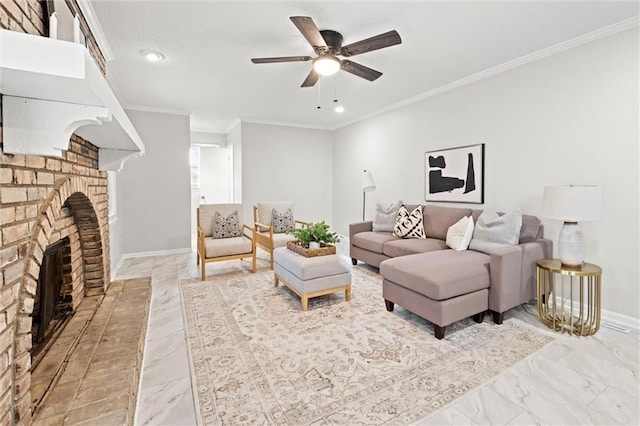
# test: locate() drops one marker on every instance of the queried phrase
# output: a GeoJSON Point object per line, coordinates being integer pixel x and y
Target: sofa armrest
{"type": "Point", "coordinates": [357, 227]}
{"type": "Point", "coordinates": [513, 274]}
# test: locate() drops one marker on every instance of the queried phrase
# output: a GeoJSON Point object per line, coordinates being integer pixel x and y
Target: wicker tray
{"type": "Point", "coordinates": [325, 249]}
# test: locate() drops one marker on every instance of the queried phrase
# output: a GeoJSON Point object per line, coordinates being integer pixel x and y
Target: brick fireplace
{"type": "Point", "coordinates": [53, 221]}
{"type": "Point", "coordinates": [46, 202]}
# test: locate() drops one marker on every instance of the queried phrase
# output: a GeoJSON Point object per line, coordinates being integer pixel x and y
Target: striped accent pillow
{"type": "Point", "coordinates": [409, 225]}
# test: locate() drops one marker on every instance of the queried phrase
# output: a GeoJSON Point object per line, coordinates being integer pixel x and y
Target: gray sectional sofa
{"type": "Point", "coordinates": [444, 285]}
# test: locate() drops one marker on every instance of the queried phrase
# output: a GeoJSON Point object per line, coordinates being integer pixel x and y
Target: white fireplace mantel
{"type": "Point", "coordinates": [53, 88]}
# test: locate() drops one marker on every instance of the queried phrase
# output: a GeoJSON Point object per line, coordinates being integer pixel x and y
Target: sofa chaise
{"type": "Point", "coordinates": [443, 285]}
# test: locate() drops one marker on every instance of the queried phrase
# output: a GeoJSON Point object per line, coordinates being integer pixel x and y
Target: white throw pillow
{"type": "Point", "coordinates": [460, 233]}
{"type": "Point", "coordinates": [409, 225]}
{"type": "Point", "coordinates": [386, 215]}
{"type": "Point", "coordinates": [493, 231]}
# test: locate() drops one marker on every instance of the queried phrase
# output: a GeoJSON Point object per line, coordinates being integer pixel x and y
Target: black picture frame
{"type": "Point", "coordinates": [455, 175]}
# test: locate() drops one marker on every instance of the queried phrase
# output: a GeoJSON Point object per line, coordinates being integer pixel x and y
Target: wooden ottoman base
{"type": "Point", "coordinates": [304, 297]}
{"type": "Point", "coordinates": [311, 276]}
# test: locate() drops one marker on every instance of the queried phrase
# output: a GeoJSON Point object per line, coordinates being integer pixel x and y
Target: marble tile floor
{"type": "Point", "coordinates": [574, 380]}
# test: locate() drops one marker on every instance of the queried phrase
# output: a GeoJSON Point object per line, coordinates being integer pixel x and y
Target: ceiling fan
{"type": "Point", "coordinates": [327, 44]}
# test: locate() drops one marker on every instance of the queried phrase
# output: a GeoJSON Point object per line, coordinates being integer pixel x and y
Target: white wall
{"type": "Point", "coordinates": [288, 164]}
{"type": "Point", "coordinates": [569, 118]}
{"type": "Point", "coordinates": [154, 211]}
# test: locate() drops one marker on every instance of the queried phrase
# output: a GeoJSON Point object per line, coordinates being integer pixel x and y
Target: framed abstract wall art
{"type": "Point", "coordinates": [455, 175]}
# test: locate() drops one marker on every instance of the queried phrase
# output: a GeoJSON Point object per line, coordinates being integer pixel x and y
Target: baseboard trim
{"type": "Point", "coordinates": [615, 319]}
{"type": "Point", "coordinates": [148, 254]}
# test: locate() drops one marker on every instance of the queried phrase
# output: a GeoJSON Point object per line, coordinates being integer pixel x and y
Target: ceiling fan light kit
{"type": "Point", "coordinates": [326, 65]}
{"type": "Point", "coordinates": [327, 44]}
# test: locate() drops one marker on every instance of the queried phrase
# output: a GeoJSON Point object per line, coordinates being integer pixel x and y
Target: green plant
{"type": "Point", "coordinates": [318, 232]}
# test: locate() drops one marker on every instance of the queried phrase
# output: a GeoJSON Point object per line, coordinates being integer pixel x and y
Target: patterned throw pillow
{"type": "Point", "coordinates": [282, 222]}
{"type": "Point", "coordinates": [226, 227]}
{"type": "Point", "coordinates": [409, 225]}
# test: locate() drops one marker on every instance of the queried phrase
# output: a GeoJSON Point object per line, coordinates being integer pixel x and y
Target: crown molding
{"type": "Point", "coordinates": [598, 34]}
{"type": "Point", "coordinates": [96, 29]}
{"type": "Point", "coordinates": [286, 124]}
{"type": "Point", "coordinates": [158, 110]}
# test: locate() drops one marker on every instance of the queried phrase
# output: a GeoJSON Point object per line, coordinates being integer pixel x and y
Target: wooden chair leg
{"type": "Point", "coordinates": [498, 317]}
{"type": "Point", "coordinates": [271, 257]}
{"type": "Point", "coordinates": [389, 305]}
{"type": "Point", "coordinates": [203, 271]}
{"type": "Point", "coordinates": [479, 317]}
{"type": "Point", "coordinates": [354, 261]}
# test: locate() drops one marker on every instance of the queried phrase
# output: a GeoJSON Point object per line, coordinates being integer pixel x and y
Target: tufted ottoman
{"type": "Point", "coordinates": [312, 276]}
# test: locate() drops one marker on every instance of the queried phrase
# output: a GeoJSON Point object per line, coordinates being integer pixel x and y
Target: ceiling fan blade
{"type": "Point", "coordinates": [311, 79]}
{"type": "Point", "coordinates": [280, 59]}
{"type": "Point", "coordinates": [311, 32]}
{"type": "Point", "coordinates": [380, 41]}
{"type": "Point", "coordinates": [360, 70]}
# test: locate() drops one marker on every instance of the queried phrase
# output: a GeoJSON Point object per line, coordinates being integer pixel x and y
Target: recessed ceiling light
{"type": "Point", "coordinates": [339, 109]}
{"type": "Point", "coordinates": [152, 55]}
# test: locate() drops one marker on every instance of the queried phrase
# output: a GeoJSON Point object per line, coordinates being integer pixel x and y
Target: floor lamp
{"type": "Point", "coordinates": [367, 185]}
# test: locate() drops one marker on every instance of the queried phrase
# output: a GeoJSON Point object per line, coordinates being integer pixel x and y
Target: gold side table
{"type": "Point", "coordinates": [582, 316]}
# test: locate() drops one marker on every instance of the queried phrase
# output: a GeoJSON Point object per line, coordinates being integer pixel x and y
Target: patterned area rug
{"type": "Point", "coordinates": [257, 358]}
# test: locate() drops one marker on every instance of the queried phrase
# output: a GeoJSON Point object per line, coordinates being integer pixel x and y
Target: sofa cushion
{"type": "Point", "coordinates": [372, 241]}
{"type": "Point", "coordinates": [439, 275]}
{"type": "Point", "coordinates": [460, 233]}
{"type": "Point", "coordinates": [493, 231]}
{"type": "Point", "coordinates": [437, 220]}
{"type": "Point", "coordinates": [279, 240]}
{"type": "Point", "coordinates": [385, 217]}
{"type": "Point", "coordinates": [530, 229]}
{"type": "Point", "coordinates": [217, 247]}
{"type": "Point", "coordinates": [407, 246]}
{"type": "Point", "coordinates": [409, 224]}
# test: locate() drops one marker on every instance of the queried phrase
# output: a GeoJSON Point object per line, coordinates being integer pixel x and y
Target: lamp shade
{"type": "Point", "coordinates": [572, 203]}
{"type": "Point", "coordinates": [367, 181]}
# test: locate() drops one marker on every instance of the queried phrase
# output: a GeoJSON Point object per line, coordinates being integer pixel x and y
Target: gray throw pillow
{"type": "Point", "coordinates": [226, 227]}
{"type": "Point", "coordinates": [493, 231]}
{"type": "Point", "coordinates": [386, 216]}
{"type": "Point", "coordinates": [282, 222]}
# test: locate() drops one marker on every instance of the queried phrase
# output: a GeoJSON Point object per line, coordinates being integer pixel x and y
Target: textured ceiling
{"type": "Point", "coordinates": [208, 46]}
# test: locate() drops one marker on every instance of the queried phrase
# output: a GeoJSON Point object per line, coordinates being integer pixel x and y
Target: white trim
{"type": "Point", "coordinates": [96, 29]}
{"type": "Point", "coordinates": [287, 124]}
{"type": "Point", "coordinates": [234, 123]}
{"type": "Point", "coordinates": [618, 27]}
{"type": "Point", "coordinates": [134, 107]}
{"type": "Point", "coordinates": [115, 269]}
{"type": "Point", "coordinates": [125, 256]}
{"type": "Point", "coordinates": [157, 253]}
{"type": "Point", "coordinates": [610, 317]}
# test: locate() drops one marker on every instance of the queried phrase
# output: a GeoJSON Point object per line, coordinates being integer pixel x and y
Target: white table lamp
{"type": "Point", "coordinates": [367, 185]}
{"type": "Point", "coordinates": [571, 204]}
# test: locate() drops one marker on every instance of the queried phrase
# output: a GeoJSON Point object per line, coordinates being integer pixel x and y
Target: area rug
{"type": "Point", "coordinates": [257, 358]}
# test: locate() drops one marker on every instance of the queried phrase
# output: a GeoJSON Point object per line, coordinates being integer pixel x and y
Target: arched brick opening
{"type": "Point", "coordinates": [71, 197]}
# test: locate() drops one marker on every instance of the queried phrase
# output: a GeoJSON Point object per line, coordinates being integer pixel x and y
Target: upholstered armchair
{"type": "Point", "coordinates": [222, 235]}
{"type": "Point", "coordinates": [272, 220]}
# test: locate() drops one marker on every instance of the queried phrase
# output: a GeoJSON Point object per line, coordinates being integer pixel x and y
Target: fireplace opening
{"type": "Point", "coordinates": [52, 304]}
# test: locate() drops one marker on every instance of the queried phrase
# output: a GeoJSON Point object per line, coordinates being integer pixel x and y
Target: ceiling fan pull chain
{"type": "Point", "coordinates": [335, 89]}
{"type": "Point", "coordinates": [318, 101]}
